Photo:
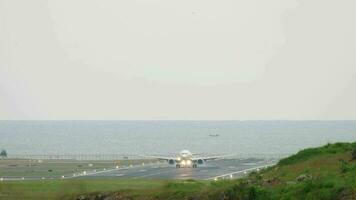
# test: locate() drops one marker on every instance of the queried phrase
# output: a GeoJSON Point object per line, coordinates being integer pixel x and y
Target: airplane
{"type": "Point", "coordinates": [186, 159]}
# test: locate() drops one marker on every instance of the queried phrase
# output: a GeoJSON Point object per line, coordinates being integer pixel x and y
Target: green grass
{"type": "Point", "coordinates": [56, 168]}
{"type": "Point", "coordinates": [327, 173]}
{"type": "Point", "coordinates": [312, 152]}
{"type": "Point", "coordinates": [68, 189]}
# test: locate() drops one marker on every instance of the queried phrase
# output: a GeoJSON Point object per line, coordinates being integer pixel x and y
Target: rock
{"type": "Point", "coordinates": [99, 197]}
{"type": "Point", "coordinates": [303, 177]}
{"type": "Point", "coordinates": [347, 194]}
{"type": "Point", "coordinates": [82, 197]}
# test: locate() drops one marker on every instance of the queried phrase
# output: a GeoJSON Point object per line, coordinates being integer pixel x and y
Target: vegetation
{"type": "Point", "coordinates": [71, 189]}
{"type": "Point", "coordinates": [57, 168]}
{"type": "Point", "coordinates": [327, 173]}
{"type": "Point", "coordinates": [3, 154]}
{"type": "Point", "coordinates": [328, 149]}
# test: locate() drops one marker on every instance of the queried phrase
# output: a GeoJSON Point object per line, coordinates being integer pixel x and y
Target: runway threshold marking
{"type": "Point", "coordinates": [241, 171]}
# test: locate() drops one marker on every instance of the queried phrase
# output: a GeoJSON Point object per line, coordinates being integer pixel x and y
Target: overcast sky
{"type": "Point", "coordinates": [178, 59]}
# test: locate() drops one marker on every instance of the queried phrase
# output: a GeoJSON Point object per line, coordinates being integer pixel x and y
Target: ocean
{"type": "Point", "coordinates": [169, 137]}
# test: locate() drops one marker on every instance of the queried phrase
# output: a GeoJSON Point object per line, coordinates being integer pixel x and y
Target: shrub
{"type": "Point", "coordinates": [344, 166]}
{"type": "Point", "coordinates": [3, 154]}
{"type": "Point", "coordinates": [311, 152]}
{"type": "Point", "coordinates": [354, 154]}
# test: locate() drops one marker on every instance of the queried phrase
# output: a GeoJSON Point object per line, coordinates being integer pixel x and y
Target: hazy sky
{"type": "Point", "coordinates": [178, 59]}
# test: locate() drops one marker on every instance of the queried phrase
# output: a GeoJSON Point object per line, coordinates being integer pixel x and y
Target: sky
{"type": "Point", "coordinates": [177, 60]}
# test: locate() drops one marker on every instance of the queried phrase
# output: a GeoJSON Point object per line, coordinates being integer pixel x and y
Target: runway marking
{"type": "Point", "coordinates": [119, 174]}
{"type": "Point", "coordinates": [154, 171]}
{"type": "Point", "coordinates": [184, 174]}
{"type": "Point", "coordinates": [241, 171]}
{"type": "Point", "coordinates": [20, 179]}
{"type": "Point", "coordinates": [249, 164]}
{"type": "Point", "coordinates": [104, 171]}
{"type": "Point", "coordinates": [147, 175]}
{"type": "Point", "coordinates": [94, 173]}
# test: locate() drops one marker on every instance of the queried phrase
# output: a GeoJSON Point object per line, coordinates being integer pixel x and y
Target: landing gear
{"type": "Point", "coordinates": [177, 166]}
{"type": "Point", "coordinates": [195, 165]}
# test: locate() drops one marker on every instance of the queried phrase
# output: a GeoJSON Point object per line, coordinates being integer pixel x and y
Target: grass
{"type": "Point", "coordinates": [56, 168]}
{"type": "Point", "coordinates": [327, 173]}
{"type": "Point", "coordinates": [68, 189]}
{"type": "Point", "coordinates": [313, 152]}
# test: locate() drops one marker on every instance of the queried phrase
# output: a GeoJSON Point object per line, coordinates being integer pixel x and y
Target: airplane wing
{"type": "Point", "coordinates": [212, 157]}
{"type": "Point", "coordinates": [159, 157]}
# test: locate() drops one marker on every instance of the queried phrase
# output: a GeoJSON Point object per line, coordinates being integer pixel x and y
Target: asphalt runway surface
{"type": "Point", "coordinates": [227, 168]}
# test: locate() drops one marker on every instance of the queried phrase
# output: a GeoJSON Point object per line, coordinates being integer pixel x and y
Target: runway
{"type": "Point", "coordinates": [228, 168]}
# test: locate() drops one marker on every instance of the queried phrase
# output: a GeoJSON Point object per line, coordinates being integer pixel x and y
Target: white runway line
{"type": "Point", "coordinates": [147, 175]}
{"type": "Point", "coordinates": [119, 174]}
{"type": "Point", "coordinates": [104, 171]}
{"type": "Point", "coordinates": [237, 172]}
{"type": "Point", "coordinates": [94, 173]}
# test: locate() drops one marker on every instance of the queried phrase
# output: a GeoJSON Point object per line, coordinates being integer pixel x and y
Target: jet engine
{"type": "Point", "coordinates": [200, 161]}
{"type": "Point", "coordinates": [171, 162]}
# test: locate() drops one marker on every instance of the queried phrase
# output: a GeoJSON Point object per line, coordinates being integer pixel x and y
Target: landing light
{"type": "Point", "coordinates": [178, 158]}
{"type": "Point", "coordinates": [183, 162]}
{"type": "Point", "coordinates": [189, 162]}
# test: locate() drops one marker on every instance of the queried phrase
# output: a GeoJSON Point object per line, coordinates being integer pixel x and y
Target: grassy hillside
{"type": "Point", "coordinates": [328, 172]}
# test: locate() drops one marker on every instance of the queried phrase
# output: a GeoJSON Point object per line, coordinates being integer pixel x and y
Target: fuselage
{"type": "Point", "coordinates": [185, 159]}
{"type": "Point", "coordinates": [185, 154]}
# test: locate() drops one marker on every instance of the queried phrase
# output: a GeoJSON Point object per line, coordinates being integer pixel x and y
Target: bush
{"type": "Point", "coordinates": [3, 154]}
{"type": "Point", "coordinates": [344, 166]}
{"type": "Point", "coordinates": [312, 152]}
{"type": "Point", "coordinates": [354, 154]}
{"type": "Point", "coordinates": [242, 191]}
